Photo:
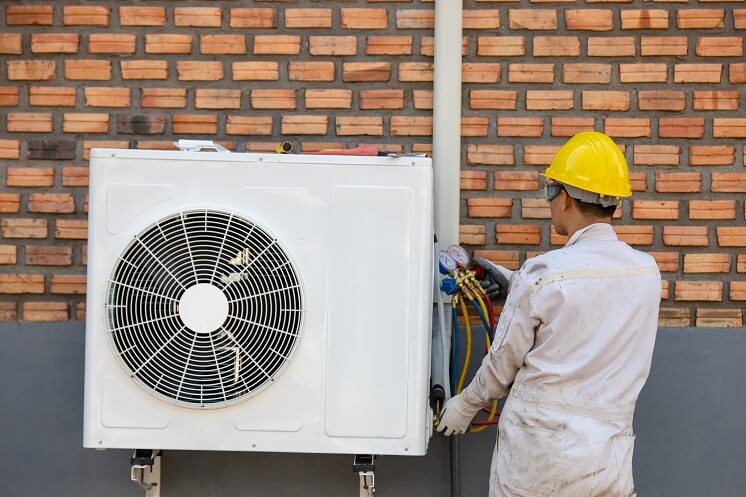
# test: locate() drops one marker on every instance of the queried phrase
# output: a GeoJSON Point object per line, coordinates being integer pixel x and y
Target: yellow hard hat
{"type": "Point", "coordinates": [591, 161]}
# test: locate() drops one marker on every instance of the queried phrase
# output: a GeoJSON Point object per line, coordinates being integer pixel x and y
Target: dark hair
{"type": "Point", "coordinates": [594, 210]}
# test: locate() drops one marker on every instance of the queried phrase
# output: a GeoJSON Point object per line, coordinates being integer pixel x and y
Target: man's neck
{"type": "Point", "coordinates": [584, 222]}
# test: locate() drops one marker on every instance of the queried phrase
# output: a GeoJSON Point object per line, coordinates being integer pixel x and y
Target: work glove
{"type": "Point", "coordinates": [497, 279]}
{"type": "Point", "coordinates": [456, 416]}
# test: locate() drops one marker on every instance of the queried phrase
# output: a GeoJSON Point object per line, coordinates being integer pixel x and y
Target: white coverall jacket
{"type": "Point", "coordinates": [575, 341]}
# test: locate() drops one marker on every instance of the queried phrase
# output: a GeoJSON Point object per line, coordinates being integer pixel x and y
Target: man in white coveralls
{"type": "Point", "coordinates": [573, 344]}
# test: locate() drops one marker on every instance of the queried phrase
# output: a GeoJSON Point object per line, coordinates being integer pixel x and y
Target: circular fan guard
{"type": "Point", "coordinates": [204, 308]}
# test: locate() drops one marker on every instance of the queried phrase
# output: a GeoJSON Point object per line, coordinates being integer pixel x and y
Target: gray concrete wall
{"type": "Point", "coordinates": [691, 437]}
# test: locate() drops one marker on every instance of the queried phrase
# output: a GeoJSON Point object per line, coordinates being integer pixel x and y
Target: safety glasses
{"type": "Point", "coordinates": [552, 191]}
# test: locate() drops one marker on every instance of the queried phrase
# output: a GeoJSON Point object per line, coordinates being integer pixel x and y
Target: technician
{"type": "Point", "coordinates": [573, 345]}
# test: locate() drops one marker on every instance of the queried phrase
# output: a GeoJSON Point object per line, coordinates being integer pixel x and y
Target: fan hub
{"type": "Point", "coordinates": [203, 308]}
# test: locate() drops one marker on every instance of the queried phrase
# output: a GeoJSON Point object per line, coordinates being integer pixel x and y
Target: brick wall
{"type": "Point", "coordinates": [663, 78]}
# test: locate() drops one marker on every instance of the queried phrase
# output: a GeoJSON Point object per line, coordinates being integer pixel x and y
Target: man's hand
{"type": "Point", "coordinates": [497, 279]}
{"type": "Point", "coordinates": [456, 416]}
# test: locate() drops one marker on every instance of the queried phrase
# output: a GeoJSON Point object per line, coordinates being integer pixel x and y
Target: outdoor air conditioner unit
{"type": "Point", "coordinates": [259, 302]}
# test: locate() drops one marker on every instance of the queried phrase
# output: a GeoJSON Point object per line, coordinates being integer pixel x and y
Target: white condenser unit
{"type": "Point", "coordinates": [258, 302]}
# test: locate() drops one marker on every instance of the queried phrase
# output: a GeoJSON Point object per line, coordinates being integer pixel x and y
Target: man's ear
{"type": "Point", "coordinates": [566, 201]}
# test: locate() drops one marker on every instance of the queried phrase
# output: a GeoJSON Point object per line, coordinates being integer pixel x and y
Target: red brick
{"type": "Point", "coordinates": [706, 263]}
{"type": "Point", "coordinates": [622, 127]}
{"type": "Point", "coordinates": [359, 125]}
{"type": "Point", "coordinates": [539, 155]}
{"type": "Point", "coordinates": [492, 99]}
{"type": "Point", "coordinates": [489, 207]}
{"type": "Point", "coordinates": [712, 209]}
{"type": "Point", "coordinates": [700, 18]}
{"type": "Point", "coordinates": [10, 203]}
{"type": "Point", "coordinates": [472, 180]}
{"type": "Point", "coordinates": [142, 16]}
{"type": "Point", "coordinates": [692, 291]}
{"type": "Point", "coordinates": [213, 98]}
{"type": "Point", "coordinates": [194, 70]}
{"type": "Point", "coordinates": [249, 125]}
{"type": "Point", "coordinates": [549, 99]}
{"type": "Point", "coordinates": [643, 73]}
{"type": "Point", "coordinates": [716, 100]}
{"type": "Point", "coordinates": [71, 229]}
{"type": "Point", "coordinates": [656, 155]}
{"type": "Point", "coordinates": [308, 18]}
{"type": "Point", "coordinates": [364, 18]}
{"type": "Point", "coordinates": [501, 46]}
{"type": "Point", "coordinates": [617, 46]}
{"type": "Point", "coordinates": [85, 123]}
{"type": "Point", "coordinates": [335, 99]}
{"type": "Point", "coordinates": [23, 228]}
{"type": "Point", "coordinates": [45, 311]}
{"type": "Point", "coordinates": [535, 208]}
{"type": "Point", "coordinates": [663, 45]}
{"type": "Point", "coordinates": [605, 100]}
{"type": "Point", "coordinates": [555, 46]}
{"type": "Point", "coordinates": [723, 46]}
{"type": "Point", "coordinates": [311, 71]}
{"type": "Point", "coordinates": [91, 70]}
{"type": "Point", "coordinates": [685, 236]}
{"type": "Point", "coordinates": [253, 18]}
{"type": "Point", "coordinates": [697, 73]}
{"type": "Point", "coordinates": [668, 262]}
{"type": "Point", "coordinates": [506, 258]}
{"type": "Point", "coordinates": [729, 182]}
{"type": "Point", "coordinates": [589, 19]}
{"type": "Point", "coordinates": [10, 44]}
{"type": "Point", "coordinates": [474, 126]}
{"type": "Point", "coordinates": [586, 73]}
{"type": "Point", "coordinates": [51, 203]}
{"type": "Point", "coordinates": [385, 45]}
{"type": "Point", "coordinates": [168, 43]}
{"type": "Point", "coordinates": [9, 149]}
{"type": "Point", "coordinates": [415, 71]}
{"type": "Point", "coordinates": [674, 318]}
{"type": "Point", "coordinates": [516, 180]}
{"type": "Point", "coordinates": [105, 43]}
{"type": "Point", "coordinates": [673, 100]}
{"type": "Point", "coordinates": [29, 15]}
{"type": "Point", "coordinates": [256, 71]}
{"type": "Point", "coordinates": [739, 18]}
{"type": "Point", "coordinates": [207, 17]}
{"type": "Point", "coordinates": [472, 234]}
{"type": "Point", "coordinates": [79, 15]}
{"type": "Point", "coordinates": [411, 126]}
{"type": "Point", "coordinates": [719, 318]}
{"type": "Point", "coordinates": [75, 176]}
{"type": "Point", "coordinates": [520, 126]}
{"type": "Point", "coordinates": [30, 70]}
{"type": "Point", "coordinates": [89, 144]}
{"type": "Point", "coordinates": [277, 45]}
{"type": "Point", "coordinates": [37, 255]}
{"type": "Point", "coordinates": [484, 154]}
{"type": "Point", "coordinates": [335, 45]}
{"type": "Point", "coordinates": [731, 236]}
{"type": "Point", "coordinates": [741, 264]}
{"type": "Point", "coordinates": [106, 97]}
{"type": "Point", "coordinates": [737, 73]}
{"type": "Point", "coordinates": [9, 97]}
{"type": "Point", "coordinates": [356, 72]}
{"type": "Point", "coordinates": [381, 99]}
{"type": "Point", "coordinates": [530, 73]}
{"type": "Point", "coordinates": [533, 19]}
{"type": "Point", "coordinates": [481, 19]}
{"type": "Point", "coordinates": [655, 209]}
{"type": "Point", "coordinates": [517, 234]}
{"type": "Point", "coordinates": [166, 98]}
{"type": "Point", "coordinates": [68, 284]}
{"type": "Point", "coordinates": [711, 155]}
{"type": "Point", "coordinates": [29, 122]}
{"type": "Point", "coordinates": [729, 128]}
{"type": "Point", "coordinates": [21, 283]}
{"type": "Point", "coordinates": [423, 100]}
{"type": "Point", "coordinates": [223, 44]}
{"type": "Point", "coordinates": [476, 72]}
{"type": "Point", "coordinates": [678, 182]}
{"type": "Point", "coordinates": [737, 290]}
{"type": "Point", "coordinates": [304, 125]}
{"type": "Point", "coordinates": [199, 124]}
{"type": "Point", "coordinates": [55, 42]}
{"type": "Point", "coordinates": [568, 126]}
{"type": "Point", "coordinates": [644, 19]}
{"type": "Point", "coordinates": [415, 19]}
{"type": "Point", "coordinates": [681, 127]}
{"type": "Point", "coordinates": [8, 257]}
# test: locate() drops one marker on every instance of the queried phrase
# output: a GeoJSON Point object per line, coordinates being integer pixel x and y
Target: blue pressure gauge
{"type": "Point", "coordinates": [446, 264]}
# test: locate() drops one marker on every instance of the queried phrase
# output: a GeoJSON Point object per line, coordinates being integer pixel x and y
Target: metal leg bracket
{"type": "Point", "coordinates": [365, 466]}
{"type": "Point", "coordinates": [145, 471]}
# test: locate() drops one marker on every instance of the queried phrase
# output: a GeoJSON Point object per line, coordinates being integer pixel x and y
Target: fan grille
{"type": "Point", "coordinates": [204, 308]}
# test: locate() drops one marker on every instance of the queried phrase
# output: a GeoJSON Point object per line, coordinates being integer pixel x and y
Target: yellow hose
{"type": "Point", "coordinates": [467, 323]}
{"type": "Point", "coordinates": [486, 317]}
{"type": "Point", "coordinates": [493, 410]}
